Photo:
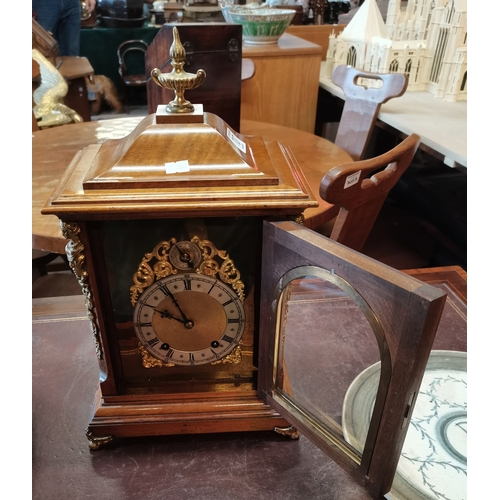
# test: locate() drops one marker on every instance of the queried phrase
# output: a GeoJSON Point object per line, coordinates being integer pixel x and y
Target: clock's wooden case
{"type": "Point", "coordinates": [116, 198]}
{"type": "Point", "coordinates": [116, 201]}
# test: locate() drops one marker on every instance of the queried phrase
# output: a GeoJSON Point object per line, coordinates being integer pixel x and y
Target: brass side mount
{"type": "Point", "coordinates": [178, 80]}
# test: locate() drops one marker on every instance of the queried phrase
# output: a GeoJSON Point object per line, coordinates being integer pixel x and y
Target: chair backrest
{"type": "Point", "coordinates": [362, 105]}
{"type": "Point", "coordinates": [131, 58]}
{"type": "Point", "coordinates": [361, 194]}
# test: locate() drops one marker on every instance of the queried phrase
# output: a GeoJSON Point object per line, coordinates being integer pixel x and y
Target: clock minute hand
{"type": "Point", "coordinates": [174, 300]}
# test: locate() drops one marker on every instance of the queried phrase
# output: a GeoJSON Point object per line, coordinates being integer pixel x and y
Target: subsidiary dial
{"type": "Point", "coordinates": [185, 256]}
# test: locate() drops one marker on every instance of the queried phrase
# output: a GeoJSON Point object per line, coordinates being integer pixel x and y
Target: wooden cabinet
{"type": "Point", "coordinates": [316, 33]}
{"type": "Point", "coordinates": [74, 70]}
{"type": "Point", "coordinates": [284, 88]}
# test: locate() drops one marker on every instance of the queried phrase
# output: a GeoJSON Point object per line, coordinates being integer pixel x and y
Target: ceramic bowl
{"type": "Point", "coordinates": [261, 25]}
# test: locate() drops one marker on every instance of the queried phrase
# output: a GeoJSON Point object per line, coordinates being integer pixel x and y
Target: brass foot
{"type": "Point", "coordinates": [290, 432]}
{"type": "Point", "coordinates": [96, 442]}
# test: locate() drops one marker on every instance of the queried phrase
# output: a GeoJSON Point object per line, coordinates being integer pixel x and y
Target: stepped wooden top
{"type": "Point", "coordinates": [182, 169]}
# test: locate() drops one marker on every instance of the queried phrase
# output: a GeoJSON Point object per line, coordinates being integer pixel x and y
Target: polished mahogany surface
{"type": "Point", "coordinates": [54, 148]}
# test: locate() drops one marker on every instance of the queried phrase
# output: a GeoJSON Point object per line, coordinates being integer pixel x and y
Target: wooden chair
{"type": "Point", "coordinates": [360, 188]}
{"type": "Point", "coordinates": [131, 66]}
{"type": "Point", "coordinates": [359, 114]}
{"type": "Point", "coordinates": [39, 261]}
{"type": "Point", "coordinates": [362, 105]}
{"type": "Point", "coordinates": [52, 276]}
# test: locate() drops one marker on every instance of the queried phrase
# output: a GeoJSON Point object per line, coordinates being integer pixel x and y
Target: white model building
{"type": "Point", "coordinates": [426, 40]}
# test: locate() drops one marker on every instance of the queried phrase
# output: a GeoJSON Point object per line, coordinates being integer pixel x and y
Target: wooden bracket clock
{"type": "Point", "coordinates": [185, 237]}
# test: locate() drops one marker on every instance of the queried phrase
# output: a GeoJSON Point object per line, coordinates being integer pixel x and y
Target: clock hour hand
{"type": "Point", "coordinates": [166, 314]}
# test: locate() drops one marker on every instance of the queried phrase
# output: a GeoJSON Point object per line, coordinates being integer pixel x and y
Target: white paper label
{"type": "Point", "coordinates": [352, 179]}
{"type": "Point", "coordinates": [239, 144]}
{"type": "Point", "coordinates": [175, 167]}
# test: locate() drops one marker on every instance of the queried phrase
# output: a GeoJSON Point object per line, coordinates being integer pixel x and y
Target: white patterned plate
{"type": "Point", "coordinates": [433, 463]}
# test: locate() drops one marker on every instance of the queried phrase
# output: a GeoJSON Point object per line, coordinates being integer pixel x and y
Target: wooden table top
{"type": "Point", "coordinates": [54, 148]}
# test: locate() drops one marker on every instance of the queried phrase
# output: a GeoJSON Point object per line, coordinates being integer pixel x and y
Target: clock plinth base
{"type": "Point", "coordinates": [158, 415]}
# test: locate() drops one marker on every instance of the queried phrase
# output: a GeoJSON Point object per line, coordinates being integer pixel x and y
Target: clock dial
{"type": "Point", "coordinates": [189, 319]}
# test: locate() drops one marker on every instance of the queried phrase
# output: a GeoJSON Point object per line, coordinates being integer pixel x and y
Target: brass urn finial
{"type": "Point", "coordinates": [178, 80]}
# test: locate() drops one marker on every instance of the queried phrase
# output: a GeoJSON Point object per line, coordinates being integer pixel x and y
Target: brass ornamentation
{"type": "Point", "coordinates": [299, 219]}
{"type": "Point", "coordinates": [145, 275]}
{"type": "Point", "coordinates": [178, 80]}
{"type": "Point", "coordinates": [233, 358]}
{"type": "Point", "coordinates": [96, 442]}
{"type": "Point", "coordinates": [149, 271]}
{"type": "Point", "coordinates": [227, 271]}
{"type": "Point", "coordinates": [194, 256]}
{"type": "Point", "coordinates": [290, 432]}
{"type": "Point", "coordinates": [49, 109]}
{"type": "Point", "coordinates": [75, 251]}
{"type": "Point", "coordinates": [149, 361]}
{"type": "Point", "coordinates": [84, 12]}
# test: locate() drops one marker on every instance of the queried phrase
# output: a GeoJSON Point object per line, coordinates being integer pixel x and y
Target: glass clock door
{"type": "Point", "coordinates": [330, 315]}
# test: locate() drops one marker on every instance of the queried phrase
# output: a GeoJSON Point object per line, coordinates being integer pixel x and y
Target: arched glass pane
{"type": "Point", "coordinates": [328, 340]}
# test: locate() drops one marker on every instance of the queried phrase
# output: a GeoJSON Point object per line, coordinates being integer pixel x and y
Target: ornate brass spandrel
{"type": "Point", "coordinates": [226, 271]}
{"type": "Point", "coordinates": [75, 251]}
{"type": "Point", "coordinates": [178, 80]}
{"type": "Point", "coordinates": [158, 264]}
{"type": "Point", "coordinates": [234, 358]}
{"type": "Point", "coordinates": [149, 361]}
{"type": "Point", "coordinates": [146, 275]}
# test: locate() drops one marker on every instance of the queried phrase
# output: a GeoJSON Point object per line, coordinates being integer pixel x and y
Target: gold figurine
{"type": "Point", "coordinates": [49, 108]}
